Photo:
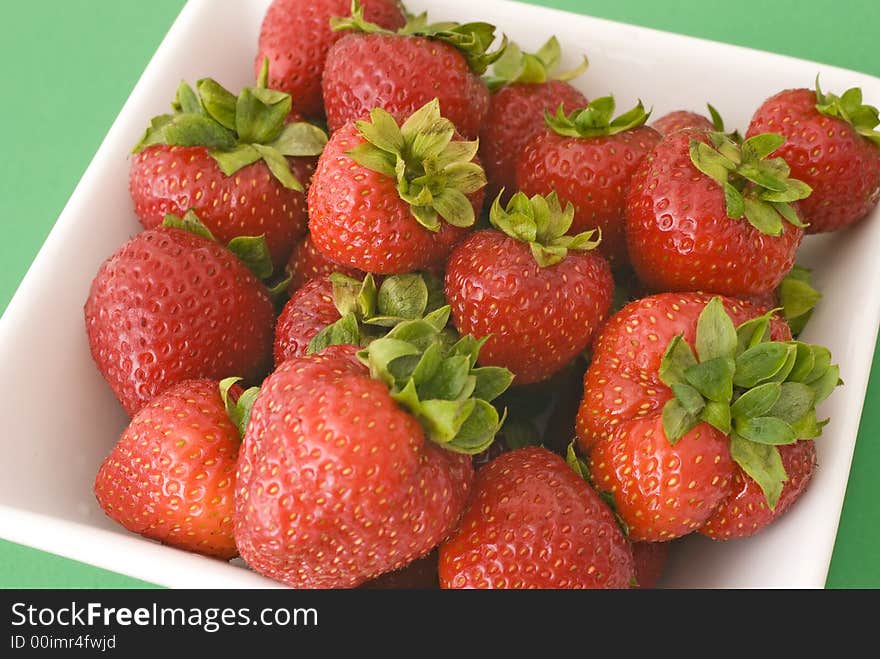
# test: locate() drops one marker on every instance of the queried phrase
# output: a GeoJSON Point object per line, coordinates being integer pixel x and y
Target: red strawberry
{"type": "Point", "coordinates": [243, 176]}
{"type": "Point", "coordinates": [666, 431]}
{"type": "Point", "coordinates": [307, 263]}
{"type": "Point", "coordinates": [172, 306]}
{"type": "Point", "coordinates": [745, 512]}
{"type": "Point", "coordinates": [536, 294]}
{"type": "Point", "coordinates": [697, 220]}
{"type": "Point", "coordinates": [339, 477]}
{"type": "Point", "coordinates": [400, 72]}
{"type": "Point", "coordinates": [366, 214]}
{"type": "Point", "coordinates": [831, 143]}
{"type": "Point", "coordinates": [337, 309]}
{"type": "Point", "coordinates": [588, 159]}
{"type": "Point", "coordinates": [650, 561]}
{"type": "Point", "coordinates": [296, 35]}
{"type": "Point", "coordinates": [171, 476]}
{"type": "Point", "coordinates": [534, 523]}
{"type": "Point", "coordinates": [522, 91]}
{"type": "Point", "coordinates": [681, 119]}
{"type": "Point", "coordinates": [309, 310]}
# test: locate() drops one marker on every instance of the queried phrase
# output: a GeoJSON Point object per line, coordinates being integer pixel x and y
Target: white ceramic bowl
{"type": "Point", "coordinates": [50, 459]}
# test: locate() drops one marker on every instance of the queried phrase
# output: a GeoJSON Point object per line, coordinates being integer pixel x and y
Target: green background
{"type": "Point", "coordinates": [69, 65]}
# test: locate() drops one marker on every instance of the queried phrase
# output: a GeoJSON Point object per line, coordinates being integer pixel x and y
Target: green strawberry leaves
{"type": "Point", "coordinates": [239, 411]}
{"type": "Point", "coordinates": [253, 251]}
{"type": "Point", "coordinates": [473, 40]}
{"type": "Point", "coordinates": [368, 312]}
{"type": "Point", "coordinates": [596, 120]}
{"type": "Point", "coordinates": [237, 130]}
{"type": "Point", "coordinates": [542, 223]}
{"type": "Point", "coordinates": [434, 174]}
{"type": "Point", "coordinates": [516, 66]}
{"type": "Point", "coordinates": [434, 377]}
{"type": "Point", "coordinates": [761, 393]}
{"type": "Point", "coordinates": [756, 188]}
{"type": "Point", "coordinates": [798, 298]}
{"type": "Point", "coordinates": [849, 107]}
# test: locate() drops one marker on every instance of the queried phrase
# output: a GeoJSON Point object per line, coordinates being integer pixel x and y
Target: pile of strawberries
{"type": "Point", "coordinates": [413, 311]}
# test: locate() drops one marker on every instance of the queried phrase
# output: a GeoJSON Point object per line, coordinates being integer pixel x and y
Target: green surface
{"type": "Point", "coordinates": [70, 65]}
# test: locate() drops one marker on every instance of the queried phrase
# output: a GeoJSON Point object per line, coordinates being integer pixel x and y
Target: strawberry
{"type": "Point", "coordinates": [650, 561]}
{"type": "Point", "coordinates": [523, 89]}
{"type": "Point", "coordinates": [534, 293]}
{"type": "Point", "coordinates": [588, 159]}
{"type": "Point", "coordinates": [349, 471]}
{"type": "Point", "coordinates": [745, 511]}
{"type": "Point", "coordinates": [171, 476]}
{"type": "Point", "coordinates": [237, 162]}
{"type": "Point", "coordinates": [338, 310]}
{"type": "Point", "coordinates": [401, 71]}
{"type": "Point", "coordinates": [704, 213]}
{"type": "Point", "coordinates": [307, 263]}
{"type": "Point", "coordinates": [295, 36]}
{"type": "Point", "coordinates": [532, 522]}
{"type": "Point", "coordinates": [667, 430]}
{"type": "Point", "coordinates": [171, 305]}
{"type": "Point", "coordinates": [367, 212]}
{"type": "Point", "coordinates": [832, 144]}
{"type": "Point", "coordinates": [681, 119]}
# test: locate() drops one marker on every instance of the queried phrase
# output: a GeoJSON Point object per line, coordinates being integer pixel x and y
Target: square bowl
{"type": "Point", "coordinates": [46, 478]}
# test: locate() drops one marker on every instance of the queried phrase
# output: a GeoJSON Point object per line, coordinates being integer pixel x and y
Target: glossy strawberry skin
{"type": "Point", "coordinates": [842, 167]}
{"type": "Point", "coordinates": [680, 237]}
{"type": "Point", "coordinates": [591, 173]}
{"type": "Point", "coordinates": [745, 512]}
{"type": "Point", "coordinates": [306, 263]}
{"type": "Point", "coordinates": [533, 523]}
{"type": "Point", "coordinates": [295, 35]}
{"type": "Point", "coordinates": [538, 319]}
{"type": "Point", "coordinates": [357, 218]}
{"type": "Point", "coordinates": [679, 120]}
{"type": "Point", "coordinates": [336, 484]}
{"type": "Point", "coordinates": [174, 179]}
{"type": "Point", "coordinates": [661, 491]}
{"type": "Point", "coordinates": [307, 312]}
{"type": "Point", "coordinates": [171, 306]}
{"type": "Point", "coordinates": [400, 74]}
{"type": "Point", "coordinates": [171, 476]}
{"type": "Point", "coordinates": [516, 115]}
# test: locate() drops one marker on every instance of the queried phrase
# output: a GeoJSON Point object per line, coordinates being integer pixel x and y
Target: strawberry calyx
{"type": "Point", "coordinates": [433, 375]}
{"type": "Point", "coordinates": [761, 393]}
{"type": "Point", "coordinates": [542, 223]}
{"type": "Point", "coordinates": [849, 107]}
{"type": "Point", "coordinates": [237, 130]}
{"type": "Point", "coordinates": [718, 124]}
{"type": "Point", "coordinates": [755, 187]}
{"type": "Point", "coordinates": [797, 297]}
{"type": "Point", "coordinates": [239, 409]}
{"type": "Point", "coordinates": [434, 173]}
{"type": "Point", "coordinates": [368, 312]}
{"type": "Point", "coordinates": [472, 40]}
{"type": "Point", "coordinates": [253, 251]}
{"type": "Point", "coordinates": [516, 66]}
{"type": "Point", "coordinates": [596, 120]}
